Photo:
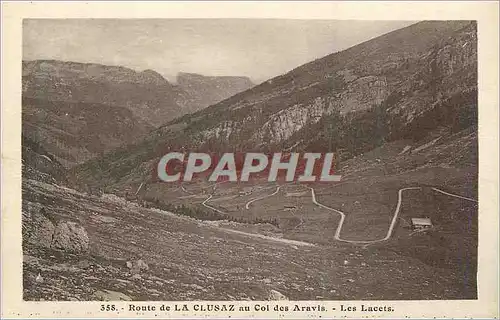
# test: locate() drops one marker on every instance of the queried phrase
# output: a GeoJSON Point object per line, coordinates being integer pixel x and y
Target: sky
{"type": "Point", "coordinates": [257, 48]}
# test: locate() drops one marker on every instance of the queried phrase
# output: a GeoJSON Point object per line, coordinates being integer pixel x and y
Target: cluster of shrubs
{"type": "Point", "coordinates": [204, 214]}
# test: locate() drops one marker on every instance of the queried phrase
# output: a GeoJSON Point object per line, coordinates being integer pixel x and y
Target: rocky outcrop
{"type": "Point", "coordinates": [137, 266]}
{"type": "Point", "coordinates": [71, 237]}
{"type": "Point", "coordinates": [362, 94]}
{"type": "Point", "coordinates": [41, 228]}
{"type": "Point", "coordinates": [276, 295]}
{"type": "Point", "coordinates": [285, 123]}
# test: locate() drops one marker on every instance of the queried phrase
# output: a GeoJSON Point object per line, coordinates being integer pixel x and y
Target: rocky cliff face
{"type": "Point", "coordinates": [406, 84]}
{"type": "Point", "coordinates": [201, 91]}
{"type": "Point", "coordinates": [401, 85]}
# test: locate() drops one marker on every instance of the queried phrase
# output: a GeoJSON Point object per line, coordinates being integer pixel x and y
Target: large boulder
{"type": "Point", "coordinates": [71, 237]}
{"type": "Point", "coordinates": [276, 295]}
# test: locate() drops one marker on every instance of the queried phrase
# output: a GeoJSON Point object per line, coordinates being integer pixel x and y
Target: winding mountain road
{"type": "Point", "coordinates": [343, 215]}
{"type": "Point", "coordinates": [204, 203]}
{"type": "Point", "coordinates": [454, 195]}
{"type": "Point", "coordinates": [247, 205]}
{"type": "Point", "coordinates": [394, 218]}
{"type": "Point", "coordinates": [342, 218]}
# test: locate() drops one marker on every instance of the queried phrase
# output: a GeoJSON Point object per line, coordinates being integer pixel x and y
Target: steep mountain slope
{"type": "Point", "coordinates": [198, 91]}
{"type": "Point", "coordinates": [75, 132]}
{"type": "Point", "coordinates": [40, 165]}
{"type": "Point", "coordinates": [403, 85]}
{"type": "Point", "coordinates": [146, 94]}
{"type": "Point", "coordinates": [77, 110]}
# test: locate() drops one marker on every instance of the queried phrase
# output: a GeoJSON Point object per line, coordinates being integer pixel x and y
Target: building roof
{"type": "Point", "coordinates": [421, 221]}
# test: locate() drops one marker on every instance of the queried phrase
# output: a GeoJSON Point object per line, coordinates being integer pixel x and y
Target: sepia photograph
{"type": "Point", "coordinates": [399, 111]}
{"type": "Point", "coordinates": [217, 160]}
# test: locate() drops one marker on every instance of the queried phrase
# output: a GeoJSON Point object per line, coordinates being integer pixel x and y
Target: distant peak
{"type": "Point", "coordinates": [152, 76]}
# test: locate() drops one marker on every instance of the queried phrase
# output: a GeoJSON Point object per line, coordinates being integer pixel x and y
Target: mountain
{"type": "Point", "coordinates": [400, 111]}
{"type": "Point", "coordinates": [79, 110]}
{"type": "Point", "coordinates": [148, 95]}
{"type": "Point", "coordinates": [413, 83]}
{"type": "Point", "coordinates": [198, 91]}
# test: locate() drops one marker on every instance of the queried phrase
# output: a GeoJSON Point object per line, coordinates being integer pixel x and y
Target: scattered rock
{"type": "Point", "coordinates": [39, 278]}
{"type": "Point", "coordinates": [142, 265]}
{"type": "Point", "coordinates": [154, 292]}
{"type": "Point", "coordinates": [84, 264]}
{"type": "Point", "coordinates": [27, 259]}
{"type": "Point", "coordinates": [103, 219]}
{"type": "Point", "coordinates": [276, 295]}
{"type": "Point", "coordinates": [136, 277]}
{"type": "Point", "coordinates": [137, 266]}
{"type": "Point", "coordinates": [405, 149]}
{"type": "Point", "coordinates": [197, 287]}
{"type": "Point", "coordinates": [108, 295]}
{"type": "Point", "coordinates": [71, 237]}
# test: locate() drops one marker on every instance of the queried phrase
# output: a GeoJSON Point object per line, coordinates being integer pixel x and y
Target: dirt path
{"type": "Point", "coordinates": [247, 205]}
{"type": "Point", "coordinates": [394, 218]}
{"type": "Point", "coordinates": [454, 195]}
{"type": "Point", "coordinates": [275, 239]}
{"type": "Point", "coordinates": [204, 203]}
{"type": "Point", "coordinates": [342, 215]}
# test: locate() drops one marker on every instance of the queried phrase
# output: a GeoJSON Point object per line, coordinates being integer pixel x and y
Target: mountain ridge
{"type": "Point", "coordinates": [98, 96]}
{"type": "Point", "coordinates": [370, 93]}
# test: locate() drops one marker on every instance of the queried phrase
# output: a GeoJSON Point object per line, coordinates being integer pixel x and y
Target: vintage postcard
{"type": "Point", "coordinates": [291, 160]}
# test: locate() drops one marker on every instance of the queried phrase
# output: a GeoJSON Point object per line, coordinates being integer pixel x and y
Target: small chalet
{"type": "Point", "coordinates": [421, 223]}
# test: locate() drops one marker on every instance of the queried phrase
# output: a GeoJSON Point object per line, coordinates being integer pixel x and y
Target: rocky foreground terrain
{"type": "Point", "coordinates": [82, 247]}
